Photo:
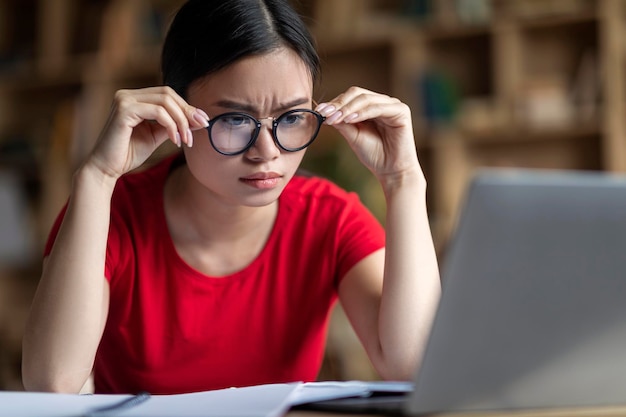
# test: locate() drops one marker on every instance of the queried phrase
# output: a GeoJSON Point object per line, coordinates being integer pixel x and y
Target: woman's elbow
{"type": "Point", "coordinates": [36, 379]}
{"type": "Point", "coordinates": [50, 385]}
{"type": "Point", "coordinates": [405, 373]}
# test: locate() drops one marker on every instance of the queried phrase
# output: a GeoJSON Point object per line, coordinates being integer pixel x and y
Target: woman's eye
{"type": "Point", "coordinates": [292, 119]}
{"type": "Point", "coordinates": [235, 120]}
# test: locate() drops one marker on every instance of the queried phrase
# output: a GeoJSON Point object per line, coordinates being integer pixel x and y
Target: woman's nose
{"type": "Point", "coordinates": [264, 148]}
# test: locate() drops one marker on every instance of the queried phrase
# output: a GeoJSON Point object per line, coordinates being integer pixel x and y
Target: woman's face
{"type": "Point", "coordinates": [261, 86]}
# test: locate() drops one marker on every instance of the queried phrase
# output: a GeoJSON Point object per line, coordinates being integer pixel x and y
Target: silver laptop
{"type": "Point", "coordinates": [533, 309]}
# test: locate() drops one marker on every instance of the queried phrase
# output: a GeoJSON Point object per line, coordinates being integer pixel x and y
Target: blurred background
{"type": "Point", "coordinates": [506, 83]}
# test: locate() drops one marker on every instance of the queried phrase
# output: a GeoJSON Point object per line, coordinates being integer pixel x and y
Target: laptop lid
{"type": "Point", "coordinates": [533, 309]}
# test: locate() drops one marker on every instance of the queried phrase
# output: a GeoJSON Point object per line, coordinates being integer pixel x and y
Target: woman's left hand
{"type": "Point", "coordinates": [391, 296]}
{"type": "Point", "coordinates": [378, 128]}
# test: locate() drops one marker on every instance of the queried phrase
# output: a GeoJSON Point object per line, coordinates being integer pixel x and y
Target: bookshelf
{"type": "Point", "coordinates": [520, 83]}
{"type": "Point", "coordinates": [491, 83]}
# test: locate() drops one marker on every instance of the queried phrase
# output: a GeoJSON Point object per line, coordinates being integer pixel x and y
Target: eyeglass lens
{"type": "Point", "coordinates": [233, 133]}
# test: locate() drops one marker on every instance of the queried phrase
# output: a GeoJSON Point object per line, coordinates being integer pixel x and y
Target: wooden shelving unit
{"type": "Point", "coordinates": [525, 83]}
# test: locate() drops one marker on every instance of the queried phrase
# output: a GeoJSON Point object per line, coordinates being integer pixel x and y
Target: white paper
{"type": "Point", "coordinates": [319, 391]}
{"type": "Point", "coordinates": [34, 404]}
{"type": "Point", "coordinates": [270, 400]}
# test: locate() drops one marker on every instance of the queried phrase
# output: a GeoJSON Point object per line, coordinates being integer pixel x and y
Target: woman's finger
{"type": "Point", "coordinates": [133, 113]}
{"type": "Point", "coordinates": [358, 104]}
{"type": "Point", "coordinates": [186, 117]}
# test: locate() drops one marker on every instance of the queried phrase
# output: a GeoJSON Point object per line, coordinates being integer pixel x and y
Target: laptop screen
{"type": "Point", "coordinates": [533, 310]}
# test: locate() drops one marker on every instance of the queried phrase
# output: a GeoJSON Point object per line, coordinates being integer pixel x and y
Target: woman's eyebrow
{"type": "Point", "coordinates": [249, 108]}
{"type": "Point", "coordinates": [233, 105]}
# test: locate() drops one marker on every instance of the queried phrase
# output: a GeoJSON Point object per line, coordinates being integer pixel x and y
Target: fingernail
{"type": "Point", "coordinates": [321, 107]}
{"type": "Point", "coordinates": [327, 110]}
{"type": "Point", "coordinates": [350, 117]}
{"type": "Point", "coordinates": [189, 138]}
{"type": "Point", "coordinates": [178, 141]}
{"type": "Point", "coordinates": [201, 117]}
{"type": "Point", "coordinates": [332, 119]}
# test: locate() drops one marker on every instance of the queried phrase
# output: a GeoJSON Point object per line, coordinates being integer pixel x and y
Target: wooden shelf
{"type": "Point", "coordinates": [523, 134]}
{"type": "Point", "coordinates": [557, 21]}
{"type": "Point", "coordinates": [434, 33]}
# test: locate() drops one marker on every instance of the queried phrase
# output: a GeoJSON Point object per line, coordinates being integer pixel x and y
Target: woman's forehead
{"type": "Point", "coordinates": [264, 81]}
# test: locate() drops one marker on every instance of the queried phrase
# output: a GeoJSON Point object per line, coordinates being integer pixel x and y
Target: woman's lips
{"type": "Point", "coordinates": [262, 181]}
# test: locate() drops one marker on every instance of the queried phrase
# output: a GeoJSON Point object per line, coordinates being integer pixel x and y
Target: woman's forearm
{"type": "Point", "coordinates": [69, 309]}
{"type": "Point", "coordinates": [411, 287]}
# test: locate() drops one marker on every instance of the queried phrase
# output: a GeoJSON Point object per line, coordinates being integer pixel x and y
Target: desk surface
{"type": "Point", "coordinates": [589, 412]}
{"type": "Point", "coordinates": [322, 414]}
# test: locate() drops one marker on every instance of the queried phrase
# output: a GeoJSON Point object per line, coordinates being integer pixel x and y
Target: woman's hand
{"type": "Point", "coordinates": [139, 122]}
{"type": "Point", "coordinates": [389, 296]}
{"type": "Point", "coordinates": [378, 128]}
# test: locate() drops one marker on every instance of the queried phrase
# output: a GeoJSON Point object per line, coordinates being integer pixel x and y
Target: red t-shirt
{"type": "Point", "coordinates": [172, 329]}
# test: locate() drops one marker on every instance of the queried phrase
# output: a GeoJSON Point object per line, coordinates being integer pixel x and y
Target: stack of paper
{"type": "Point", "coordinates": [271, 400]}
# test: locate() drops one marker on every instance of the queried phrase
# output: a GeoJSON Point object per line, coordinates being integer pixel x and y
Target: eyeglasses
{"type": "Point", "coordinates": [234, 133]}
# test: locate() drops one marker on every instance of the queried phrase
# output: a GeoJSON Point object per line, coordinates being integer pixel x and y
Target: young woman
{"type": "Point", "coordinates": [219, 266]}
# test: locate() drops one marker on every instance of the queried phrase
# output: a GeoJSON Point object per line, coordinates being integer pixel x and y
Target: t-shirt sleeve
{"type": "Point", "coordinates": [54, 231]}
{"type": "Point", "coordinates": [360, 234]}
{"type": "Point", "coordinates": [114, 245]}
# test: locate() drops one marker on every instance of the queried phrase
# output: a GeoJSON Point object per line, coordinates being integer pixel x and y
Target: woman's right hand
{"type": "Point", "coordinates": [139, 122]}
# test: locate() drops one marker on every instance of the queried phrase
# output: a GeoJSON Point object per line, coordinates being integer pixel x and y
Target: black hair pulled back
{"type": "Point", "coordinates": [209, 35]}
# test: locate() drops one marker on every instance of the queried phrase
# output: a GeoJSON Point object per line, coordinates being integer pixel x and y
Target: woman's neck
{"type": "Point", "coordinates": [201, 215]}
{"type": "Point", "coordinates": [213, 237]}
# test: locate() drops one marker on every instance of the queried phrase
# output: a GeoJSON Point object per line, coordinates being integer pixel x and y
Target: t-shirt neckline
{"type": "Point", "coordinates": [170, 247]}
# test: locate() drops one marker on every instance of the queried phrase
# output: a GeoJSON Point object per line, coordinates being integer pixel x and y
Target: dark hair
{"type": "Point", "coordinates": [208, 35]}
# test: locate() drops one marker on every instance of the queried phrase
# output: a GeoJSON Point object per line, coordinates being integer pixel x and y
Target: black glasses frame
{"type": "Point", "coordinates": [259, 125]}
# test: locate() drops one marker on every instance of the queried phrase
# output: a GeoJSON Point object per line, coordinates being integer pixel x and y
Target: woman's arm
{"type": "Point", "coordinates": [70, 307]}
{"type": "Point", "coordinates": [390, 296]}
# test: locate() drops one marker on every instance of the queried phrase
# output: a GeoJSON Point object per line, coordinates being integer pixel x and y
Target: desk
{"type": "Point", "coordinates": [321, 414]}
{"type": "Point", "coordinates": [591, 412]}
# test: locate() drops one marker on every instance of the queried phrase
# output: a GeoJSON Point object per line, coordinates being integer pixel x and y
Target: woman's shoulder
{"type": "Point", "coordinates": [310, 190]}
{"type": "Point", "coordinates": [142, 189]}
{"type": "Point", "coordinates": [306, 183]}
{"type": "Point", "coordinates": [150, 176]}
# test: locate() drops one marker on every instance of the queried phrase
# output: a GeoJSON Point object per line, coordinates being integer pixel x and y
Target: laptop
{"type": "Point", "coordinates": [533, 307]}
